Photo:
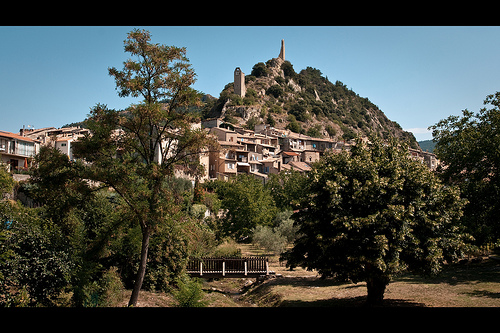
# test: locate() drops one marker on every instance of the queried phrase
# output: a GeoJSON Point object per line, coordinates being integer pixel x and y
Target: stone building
{"type": "Point", "coordinates": [239, 82]}
{"type": "Point", "coordinates": [282, 51]}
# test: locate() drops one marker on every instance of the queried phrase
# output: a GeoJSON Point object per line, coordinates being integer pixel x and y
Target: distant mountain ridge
{"type": "Point", "coordinates": [304, 102]}
{"type": "Point", "coordinates": [427, 145]}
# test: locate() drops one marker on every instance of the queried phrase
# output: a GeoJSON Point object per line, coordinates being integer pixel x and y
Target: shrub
{"type": "Point", "coordinates": [275, 90]}
{"type": "Point", "coordinates": [198, 211]}
{"type": "Point", "coordinates": [228, 249]}
{"type": "Point", "coordinates": [189, 293]}
{"type": "Point", "coordinates": [103, 292]}
{"type": "Point", "coordinates": [259, 69]}
{"type": "Point", "coordinates": [268, 239]}
{"type": "Point", "coordinates": [284, 225]}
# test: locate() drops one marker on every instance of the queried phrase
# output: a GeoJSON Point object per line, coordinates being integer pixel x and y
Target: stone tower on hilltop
{"type": "Point", "coordinates": [239, 82]}
{"type": "Point", "coordinates": [282, 51]}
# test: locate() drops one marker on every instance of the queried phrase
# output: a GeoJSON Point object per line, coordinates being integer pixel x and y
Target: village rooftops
{"type": "Point", "coordinates": [299, 166]}
{"type": "Point", "coordinates": [230, 143]}
{"type": "Point", "coordinates": [11, 135]}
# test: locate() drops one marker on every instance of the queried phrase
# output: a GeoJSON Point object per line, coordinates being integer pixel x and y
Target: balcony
{"type": "Point", "coordinates": [18, 150]}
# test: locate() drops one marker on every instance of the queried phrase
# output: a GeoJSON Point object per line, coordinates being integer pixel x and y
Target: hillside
{"type": "Point", "coordinates": [427, 145]}
{"type": "Point", "coordinates": [304, 102]}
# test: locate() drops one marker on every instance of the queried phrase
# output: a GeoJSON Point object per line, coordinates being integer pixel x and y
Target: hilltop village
{"type": "Point", "coordinates": [260, 152]}
{"type": "Point", "coordinates": [263, 151]}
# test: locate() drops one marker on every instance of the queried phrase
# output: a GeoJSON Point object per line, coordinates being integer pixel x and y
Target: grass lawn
{"type": "Point", "coordinates": [466, 285]}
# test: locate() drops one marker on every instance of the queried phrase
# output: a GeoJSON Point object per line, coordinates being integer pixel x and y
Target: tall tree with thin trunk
{"type": "Point", "coordinates": [135, 151]}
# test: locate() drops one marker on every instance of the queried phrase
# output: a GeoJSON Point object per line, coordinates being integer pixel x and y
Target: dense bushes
{"type": "Point", "coordinates": [89, 253]}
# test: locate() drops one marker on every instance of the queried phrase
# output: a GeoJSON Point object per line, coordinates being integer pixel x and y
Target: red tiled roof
{"type": "Point", "coordinates": [15, 136]}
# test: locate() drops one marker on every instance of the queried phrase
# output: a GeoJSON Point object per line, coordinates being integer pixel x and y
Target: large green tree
{"type": "Point", "coordinates": [246, 203]}
{"type": "Point", "coordinates": [135, 151]}
{"type": "Point", "coordinates": [372, 213]}
{"type": "Point", "coordinates": [287, 188]}
{"type": "Point", "coordinates": [468, 146]}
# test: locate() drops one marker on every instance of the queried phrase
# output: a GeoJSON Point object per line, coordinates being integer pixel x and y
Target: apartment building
{"type": "Point", "coordinates": [222, 162]}
{"type": "Point", "coordinates": [425, 157]}
{"type": "Point", "coordinates": [16, 151]}
{"type": "Point", "coordinates": [294, 141]}
{"type": "Point", "coordinates": [60, 138]}
{"type": "Point", "coordinates": [262, 152]}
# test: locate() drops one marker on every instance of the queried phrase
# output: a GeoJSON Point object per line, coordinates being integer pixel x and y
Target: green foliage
{"type": "Point", "coordinates": [198, 211]}
{"type": "Point", "coordinates": [189, 293]}
{"type": "Point", "coordinates": [6, 181]}
{"type": "Point", "coordinates": [275, 109]}
{"type": "Point", "coordinates": [104, 292]}
{"type": "Point", "coordinates": [288, 70]}
{"type": "Point", "coordinates": [259, 69]}
{"type": "Point", "coordinates": [285, 225]}
{"type": "Point", "coordinates": [159, 73]}
{"type": "Point", "coordinates": [276, 239]}
{"type": "Point", "coordinates": [331, 131]}
{"type": "Point", "coordinates": [374, 213]}
{"type": "Point", "coordinates": [427, 145]}
{"type": "Point", "coordinates": [287, 188]}
{"type": "Point", "coordinates": [58, 184]}
{"type": "Point", "coordinates": [39, 258]}
{"type": "Point", "coordinates": [268, 239]}
{"type": "Point", "coordinates": [247, 204]}
{"type": "Point", "coordinates": [270, 120]}
{"type": "Point", "coordinates": [135, 152]}
{"type": "Point", "coordinates": [228, 248]}
{"type": "Point", "coordinates": [252, 122]}
{"type": "Point", "coordinates": [299, 110]}
{"type": "Point", "coordinates": [293, 125]}
{"type": "Point", "coordinates": [315, 131]}
{"type": "Point", "coordinates": [168, 253]}
{"type": "Point", "coordinates": [275, 90]}
{"type": "Point", "coordinates": [250, 97]}
{"type": "Point", "coordinates": [468, 147]}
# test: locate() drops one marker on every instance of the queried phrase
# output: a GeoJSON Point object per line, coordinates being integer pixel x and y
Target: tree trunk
{"type": "Point", "coordinates": [142, 268]}
{"type": "Point", "coordinates": [376, 288]}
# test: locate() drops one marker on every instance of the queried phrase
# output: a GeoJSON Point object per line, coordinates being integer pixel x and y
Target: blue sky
{"type": "Point", "coordinates": [51, 76]}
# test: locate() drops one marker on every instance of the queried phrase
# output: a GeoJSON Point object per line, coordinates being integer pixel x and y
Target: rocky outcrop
{"type": "Point", "coordinates": [319, 107]}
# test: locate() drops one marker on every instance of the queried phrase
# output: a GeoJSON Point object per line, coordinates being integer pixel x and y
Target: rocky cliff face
{"type": "Point", "coordinates": [304, 102]}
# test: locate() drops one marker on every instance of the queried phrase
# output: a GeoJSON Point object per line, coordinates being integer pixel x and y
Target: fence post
{"type": "Point", "coordinates": [267, 267]}
{"type": "Point", "coordinates": [201, 268]}
{"type": "Point", "coordinates": [223, 268]}
{"type": "Point", "coordinates": [246, 268]}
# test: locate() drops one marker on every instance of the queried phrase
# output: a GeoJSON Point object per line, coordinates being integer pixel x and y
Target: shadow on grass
{"type": "Point", "coordinates": [355, 302]}
{"type": "Point", "coordinates": [453, 274]}
{"type": "Point", "coordinates": [471, 273]}
{"type": "Point", "coordinates": [264, 295]}
{"type": "Point", "coordinates": [483, 293]}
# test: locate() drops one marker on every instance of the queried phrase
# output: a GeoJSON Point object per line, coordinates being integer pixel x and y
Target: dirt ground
{"type": "Point", "coordinates": [459, 285]}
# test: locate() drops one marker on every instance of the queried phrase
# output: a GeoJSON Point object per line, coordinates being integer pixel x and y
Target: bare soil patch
{"type": "Point", "coordinates": [474, 284]}
{"type": "Point", "coordinates": [469, 285]}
